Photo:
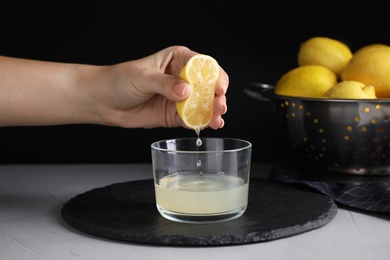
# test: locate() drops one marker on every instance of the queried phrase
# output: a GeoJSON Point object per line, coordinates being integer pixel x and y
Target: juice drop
{"type": "Point", "coordinates": [198, 141]}
{"type": "Point", "coordinates": [199, 163]}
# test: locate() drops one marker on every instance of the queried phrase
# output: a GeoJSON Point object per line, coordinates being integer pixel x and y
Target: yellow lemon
{"type": "Point", "coordinates": [370, 47]}
{"type": "Point", "coordinates": [201, 72]}
{"type": "Point", "coordinates": [324, 51]}
{"type": "Point", "coordinates": [351, 89]}
{"type": "Point", "coordinates": [306, 81]}
{"type": "Point", "coordinates": [371, 65]}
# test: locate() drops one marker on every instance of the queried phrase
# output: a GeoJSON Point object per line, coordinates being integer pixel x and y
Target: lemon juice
{"type": "Point", "coordinates": [201, 180]}
{"type": "Point", "coordinates": [206, 194]}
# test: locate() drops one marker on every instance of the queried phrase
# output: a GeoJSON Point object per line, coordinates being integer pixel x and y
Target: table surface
{"type": "Point", "coordinates": [31, 226]}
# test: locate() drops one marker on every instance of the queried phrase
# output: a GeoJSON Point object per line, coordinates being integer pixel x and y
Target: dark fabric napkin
{"type": "Point", "coordinates": [367, 193]}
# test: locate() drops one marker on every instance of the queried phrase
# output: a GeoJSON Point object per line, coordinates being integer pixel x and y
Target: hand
{"type": "Point", "coordinates": [144, 91]}
{"type": "Point", "coordinates": [139, 93]}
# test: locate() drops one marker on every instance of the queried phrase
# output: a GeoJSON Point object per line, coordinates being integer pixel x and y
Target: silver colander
{"type": "Point", "coordinates": [338, 135]}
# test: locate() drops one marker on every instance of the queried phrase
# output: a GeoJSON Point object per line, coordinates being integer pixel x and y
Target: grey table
{"type": "Point", "coordinates": [31, 226]}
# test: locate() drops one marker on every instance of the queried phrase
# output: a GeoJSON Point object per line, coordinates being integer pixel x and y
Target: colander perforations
{"type": "Point", "coordinates": [343, 135]}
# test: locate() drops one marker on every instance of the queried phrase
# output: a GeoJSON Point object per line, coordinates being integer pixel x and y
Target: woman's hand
{"type": "Point", "coordinates": [135, 94]}
{"type": "Point", "coordinates": [143, 92]}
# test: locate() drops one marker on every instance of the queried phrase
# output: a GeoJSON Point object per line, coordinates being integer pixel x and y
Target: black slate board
{"type": "Point", "coordinates": [127, 211]}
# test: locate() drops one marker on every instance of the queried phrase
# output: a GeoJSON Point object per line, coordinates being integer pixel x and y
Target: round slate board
{"type": "Point", "coordinates": [127, 211]}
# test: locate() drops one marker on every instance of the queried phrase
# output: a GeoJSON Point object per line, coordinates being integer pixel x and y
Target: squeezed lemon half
{"type": "Point", "coordinates": [202, 73]}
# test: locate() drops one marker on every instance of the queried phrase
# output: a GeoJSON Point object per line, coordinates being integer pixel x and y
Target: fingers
{"type": "Point", "coordinates": [220, 104]}
{"type": "Point", "coordinates": [216, 122]}
{"type": "Point", "coordinates": [167, 83]}
{"type": "Point", "coordinates": [172, 59]}
{"type": "Point", "coordinates": [219, 109]}
{"type": "Point", "coordinates": [222, 83]}
{"type": "Point", "coordinates": [168, 63]}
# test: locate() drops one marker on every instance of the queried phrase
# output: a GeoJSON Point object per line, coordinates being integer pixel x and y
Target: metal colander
{"type": "Point", "coordinates": [338, 135]}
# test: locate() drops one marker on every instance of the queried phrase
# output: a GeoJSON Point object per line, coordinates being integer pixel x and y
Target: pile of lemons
{"type": "Point", "coordinates": [327, 68]}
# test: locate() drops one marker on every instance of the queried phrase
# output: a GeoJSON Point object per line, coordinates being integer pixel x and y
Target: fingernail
{"type": "Point", "coordinates": [182, 90]}
{"type": "Point", "coordinates": [224, 109]}
{"type": "Point", "coordinates": [222, 123]}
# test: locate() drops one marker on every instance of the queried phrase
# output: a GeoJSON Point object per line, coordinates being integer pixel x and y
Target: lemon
{"type": "Point", "coordinates": [371, 65]}
{"type": "Point", "coordinates": [201, 72]}
{"type": "Point", "coordinates": [351, 89]}
{"type": "Point", "coordinates": [324, 51]}
{"type": "Point", "coordinates": [370, 47]}
{"type": "Point", "coordinates": [306, 81]}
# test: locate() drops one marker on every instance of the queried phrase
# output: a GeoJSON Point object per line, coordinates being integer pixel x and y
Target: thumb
{"type": "Point", "coordinates": [180, 91]}
{"type": "Point", "coordinates": [171, 87]}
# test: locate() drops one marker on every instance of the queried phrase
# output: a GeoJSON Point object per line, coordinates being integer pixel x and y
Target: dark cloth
{"type": "Point", "coordinates": [367, 193]}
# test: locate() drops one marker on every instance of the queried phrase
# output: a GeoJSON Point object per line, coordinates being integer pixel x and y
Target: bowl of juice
{"type": "Point", "coordinates": [201, 180]}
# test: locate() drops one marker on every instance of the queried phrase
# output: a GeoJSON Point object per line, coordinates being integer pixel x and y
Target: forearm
{"type": "Point", "coordinates": [46, 93]}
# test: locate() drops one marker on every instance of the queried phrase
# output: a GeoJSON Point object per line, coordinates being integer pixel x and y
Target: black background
{"type": "Point", "coordinates": [254, 41]}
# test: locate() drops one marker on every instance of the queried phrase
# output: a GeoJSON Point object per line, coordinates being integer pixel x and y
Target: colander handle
{"type": "Point", "coordinates": [260, 91]}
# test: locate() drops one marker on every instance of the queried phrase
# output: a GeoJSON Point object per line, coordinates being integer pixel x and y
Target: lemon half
{"type": "Point", "coordinates": [202, 73]}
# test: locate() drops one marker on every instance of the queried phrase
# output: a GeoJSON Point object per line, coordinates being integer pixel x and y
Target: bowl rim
{"type": "Point", "coordinates": [320, 99]}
